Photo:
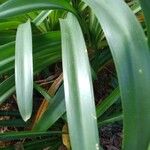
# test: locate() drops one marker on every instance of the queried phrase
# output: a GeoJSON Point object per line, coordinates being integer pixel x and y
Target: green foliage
{"type": "Point", "coordinates": [91, 35]}
{"type": "Point", "coordinates": [132, 67]}
{"type": "Point", "coordinates": [79, 96]}
{"type": "Point", "coordinates": [24, 70]}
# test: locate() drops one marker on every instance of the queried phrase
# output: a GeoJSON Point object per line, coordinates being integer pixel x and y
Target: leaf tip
{"type": "Point", "coordinates": [26, 117]}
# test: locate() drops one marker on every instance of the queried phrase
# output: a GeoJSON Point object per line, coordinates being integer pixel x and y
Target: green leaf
{"type": "Point", "coordinates": [9, 113]}
{"type": "Point", "coordinates": [26, 134]}
{"type": "Point", "coordinates": [16, 7]}
{"type": "Point", "coordinates": [106, 103]}
{"type": "Point", "coordinates": [8, 25]}
{"type": "Point", "coordinates": [7, 87]}
{"type": "Point", "coordinates": [43, 92]}
{"type": "Point", "coordinates": [6, 37]}
{"type": "Point", "coordinates": [7, 57]}
{"type": "Point", "coordinates": [37, 144]}
{"type": "Point", "coordinates": [46, 52]}
{"type": "Point", "coordinates": [131, 54]}
{"type": "Point", "coordinates": [24, 70]}
{"type": "Point", "coordinates": [41, 42]}
{"type": "Point", "coordinates": [54, 19]}
{"type": "Point", "coordinates": [41, 17]}
{"type": "Point", "coordinates": [145, 4]}
{"type": "Point", "coordinates": [54, 111]}
{"type": "Point", "coordinates": [136, 8]}
{"type": "Point", "coordinates": [6, 52]}
{"type": "Point", "coordinates": [110, 120]}
{"type": "Point", "coordinates": [43, 45]}
{"type": "Point", "coordinates": [13, 123]}
{"type": "Point", "coordinates": [100, 60]}
{"type": "Point", "coordinates": [43, 143]}
{"type": "Point", "coordinates": [79, 97]}
{"type": "Point", "coordinates": [46, 61]}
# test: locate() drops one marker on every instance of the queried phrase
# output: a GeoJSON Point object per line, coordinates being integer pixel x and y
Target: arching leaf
{"type": "Point", "coordinates": [24, 70]}
{"type": "Point", "coordinates": [131, 54]}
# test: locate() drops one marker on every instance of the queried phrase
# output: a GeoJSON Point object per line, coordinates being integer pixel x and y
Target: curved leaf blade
{"type": "Point", "coordinates": [16, 7]}
{"type": "Point", "coordinates": [24, 70]}
{"type": "Point", "coordinates": [131, 56]}
{"type": "Point", "coordinates": [79, 97]}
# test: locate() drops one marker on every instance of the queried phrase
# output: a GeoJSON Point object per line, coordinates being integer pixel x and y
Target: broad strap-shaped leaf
{"type": "Point", "coordinates": [16, 7]}
{"type": "Point", "coordinates": [24, 70]}
{"type": "Point", "coordinates": [145, 4]}
{"type": "Point", "coordinates": [131, 56]}
{"type": "Point", "coordinates": [79, 97]}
